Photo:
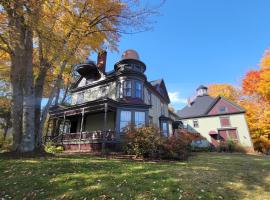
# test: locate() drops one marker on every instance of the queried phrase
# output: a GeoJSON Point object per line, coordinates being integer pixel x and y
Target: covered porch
{"type": "Point", "coordinates": [85, 127]}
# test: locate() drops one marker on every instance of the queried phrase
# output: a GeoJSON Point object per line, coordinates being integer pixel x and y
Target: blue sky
{"type": "Point", "coordinates": [201, 42]}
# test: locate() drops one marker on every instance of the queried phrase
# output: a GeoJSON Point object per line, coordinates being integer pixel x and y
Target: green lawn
{"type": "Point", "coordinates": [204, 176]}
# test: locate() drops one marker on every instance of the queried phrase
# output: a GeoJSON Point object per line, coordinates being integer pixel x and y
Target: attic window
{"type": "Point", "coordinates": [222, 109]}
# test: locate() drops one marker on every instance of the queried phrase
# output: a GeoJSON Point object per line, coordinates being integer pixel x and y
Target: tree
{"type": "Point", "coordinates": [41, 38]}
{"type": "Point", "coordinates": [225, 90]}
{"type": "Point", "coordinates": [256, 88]}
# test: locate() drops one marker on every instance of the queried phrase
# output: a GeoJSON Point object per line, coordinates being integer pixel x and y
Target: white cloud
{"type": "Point", "coordinates": [176, 99]}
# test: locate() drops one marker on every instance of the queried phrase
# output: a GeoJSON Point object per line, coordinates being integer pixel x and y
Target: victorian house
{"type": "Point", "coordinates": [104, 103]}
{"type": "Point", "coordinates": [216, 119]}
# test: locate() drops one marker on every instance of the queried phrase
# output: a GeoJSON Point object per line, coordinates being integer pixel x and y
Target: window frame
{"type": "Point", "coordinates": [140, 122]}
{"type": "Point", "coordinates": [225, 117]}
{"type": "Point", "coordinates": [195, 123]}
{"type": "Point", "coordinates": [136, 89]}
{"type": "Point", "coordinates": [125, 121]}
{"type": "Point", "coordinates": [125, 88]}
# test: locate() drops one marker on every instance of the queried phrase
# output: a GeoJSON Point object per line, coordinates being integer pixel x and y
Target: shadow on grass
{"type": "Point", "coordinates": [206, 176]}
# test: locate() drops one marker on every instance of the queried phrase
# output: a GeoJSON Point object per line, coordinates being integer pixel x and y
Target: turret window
{"type": "Point", "coordinates": [138, 89]}
{"type": "Point", "coordinates": [127, 88]}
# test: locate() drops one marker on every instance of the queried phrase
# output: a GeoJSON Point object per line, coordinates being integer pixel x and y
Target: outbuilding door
{"type": "Point", "coordinates": [225, 134]}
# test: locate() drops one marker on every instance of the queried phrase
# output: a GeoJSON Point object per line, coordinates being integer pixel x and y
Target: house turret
{"type": "Point", "coordinates": [130, 62]}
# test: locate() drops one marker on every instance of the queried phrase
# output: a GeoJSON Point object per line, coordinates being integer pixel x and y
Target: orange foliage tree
{"type": "Point", "coordinates": [256, 88]}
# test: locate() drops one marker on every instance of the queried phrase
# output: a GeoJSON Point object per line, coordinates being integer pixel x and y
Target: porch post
{"type": "Point", "coordinates": [81, 129]}
{"type": "Point", "coordinates": [47, 129]}
{"type": "Point", "coordinates": [105, 127]}
{"type": "Point", "coordinates": [64, 123]}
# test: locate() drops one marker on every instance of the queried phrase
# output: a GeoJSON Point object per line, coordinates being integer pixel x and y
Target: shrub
{"type": "Point", "coordinates": [262, 145]}
{"type": "Point", "coordinates": [50, 147]}
{"type": "Point", "coordinates": [230, 146]}
{"type": "Point", "coordinates": [148, 142]}
{"type": "Point", "coordinates": [5, 145]}
{"type": "Point", "coordinates": [142, 142]}
{"type": "Point", "coordinates": [176, 147]}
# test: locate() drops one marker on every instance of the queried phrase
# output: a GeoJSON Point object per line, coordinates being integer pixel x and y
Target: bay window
{"type": "Point", "coordinates": [138, 89]}
{"type": "Point", "coordinates": [139, 119]}
{"type": "Point", "coordinates": [125, 119]}
{"type": "Point", "coordinates": [127, 88]}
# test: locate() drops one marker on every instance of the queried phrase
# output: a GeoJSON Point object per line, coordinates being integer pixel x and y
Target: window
{"type": "Point", "coordinates": [138, 89]}
{"type": "Point", "coordinates": [225, 121]}
{"type": "Point", "coordinates": [164, 128]}
{"type": "Point", "coordinates": [162, 108]}
{"type": "Point", "coordinates": [80, 98]}
{"type": "Point", "coordinates": [149, 97]}
{"type": "Point", "coordinates": [195, 123]}
{"type": "Point", "coordinates": [185, 124]}
{"type": "Point", "coordinates": [125, 119]}
{"type": "Point", "coordinates": [127, 88]}
{"type": "Point", "coordinates": [222, 109]}
{"type": "Point", "coordinates": [139, 119]}
{"type": "Point", "coordinates": [150, 119]}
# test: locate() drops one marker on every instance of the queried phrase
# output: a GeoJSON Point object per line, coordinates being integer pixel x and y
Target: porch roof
{"type": "Point", "coordinates": [89, 107]}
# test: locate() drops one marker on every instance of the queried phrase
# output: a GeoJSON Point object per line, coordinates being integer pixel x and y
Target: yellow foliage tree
{"type": "Point", "coordinates": [43, 37]}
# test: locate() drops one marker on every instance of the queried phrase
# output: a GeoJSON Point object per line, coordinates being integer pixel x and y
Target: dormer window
{"type": "Point", "coordinates": [138, 89]}
{"type": "Point", "coordinates": [127, 88]}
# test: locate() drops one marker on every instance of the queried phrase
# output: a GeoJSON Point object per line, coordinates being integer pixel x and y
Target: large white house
{"type": "Point", "coordinates": [216, 119]}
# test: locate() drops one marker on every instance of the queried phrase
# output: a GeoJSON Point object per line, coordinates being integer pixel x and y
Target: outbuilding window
{"type": "Point", "coordinates": [195, 123]}
{"type": "Point", "coordinates": [225, 121]}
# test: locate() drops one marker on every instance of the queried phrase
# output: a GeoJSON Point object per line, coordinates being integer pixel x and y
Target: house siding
{"type": "Point", "coordinates": [94, 93]}
{"type": "Point", "coordinates": [222, 103]}
{"type": "Point", "coordinates": [155, 110]}
{"type": "Point", "coordinates": [212, 124]}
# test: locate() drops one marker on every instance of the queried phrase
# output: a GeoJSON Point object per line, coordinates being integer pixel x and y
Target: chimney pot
{"type": "Point", "coordinates": [101, 60]}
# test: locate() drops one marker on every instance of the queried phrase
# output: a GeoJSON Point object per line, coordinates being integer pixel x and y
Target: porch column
{"type": "Point", "coordinates": [105, 127]}
{"type": "Point", "coordinates": [81, 129]}
{"type": "Point", "coordinates": [47, 129]}
{"type": "Point", "coordinates": [64, 124]}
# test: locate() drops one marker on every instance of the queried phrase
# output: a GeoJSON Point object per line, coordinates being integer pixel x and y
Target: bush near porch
{"type": "Point", "coordinates": [149, 142]}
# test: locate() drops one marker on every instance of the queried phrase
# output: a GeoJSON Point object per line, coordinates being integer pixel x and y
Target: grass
{"type": "Point", "coordinates": [204, 176]}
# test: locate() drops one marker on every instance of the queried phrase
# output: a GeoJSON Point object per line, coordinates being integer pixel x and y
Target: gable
{"type": "Point", "coordinates": [224, 106]}
{"type": "Point", "coordinates": [160, 87]}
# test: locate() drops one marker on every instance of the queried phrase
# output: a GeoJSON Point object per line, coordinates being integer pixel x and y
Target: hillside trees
{"type": "Point", "coordinates": [42, 38]}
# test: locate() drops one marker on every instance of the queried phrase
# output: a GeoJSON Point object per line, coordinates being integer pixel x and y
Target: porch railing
{"type": "Point", "coordinates": [93, 135]}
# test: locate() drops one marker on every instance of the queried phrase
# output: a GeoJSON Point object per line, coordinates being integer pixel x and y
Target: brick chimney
{"type": "Point", "coordinates": [101, 60]}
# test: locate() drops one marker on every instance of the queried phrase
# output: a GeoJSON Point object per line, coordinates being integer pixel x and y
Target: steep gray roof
{"type": "Point", "coordinates": [198, 107]}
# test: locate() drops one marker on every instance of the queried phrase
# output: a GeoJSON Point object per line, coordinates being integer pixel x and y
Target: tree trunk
{"type": "Point", "coordinates": [17, 99]}
{"type": "Point", "coordinates": [28, 126]}
{"type": "Point", "coordinates": [39, 86]}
